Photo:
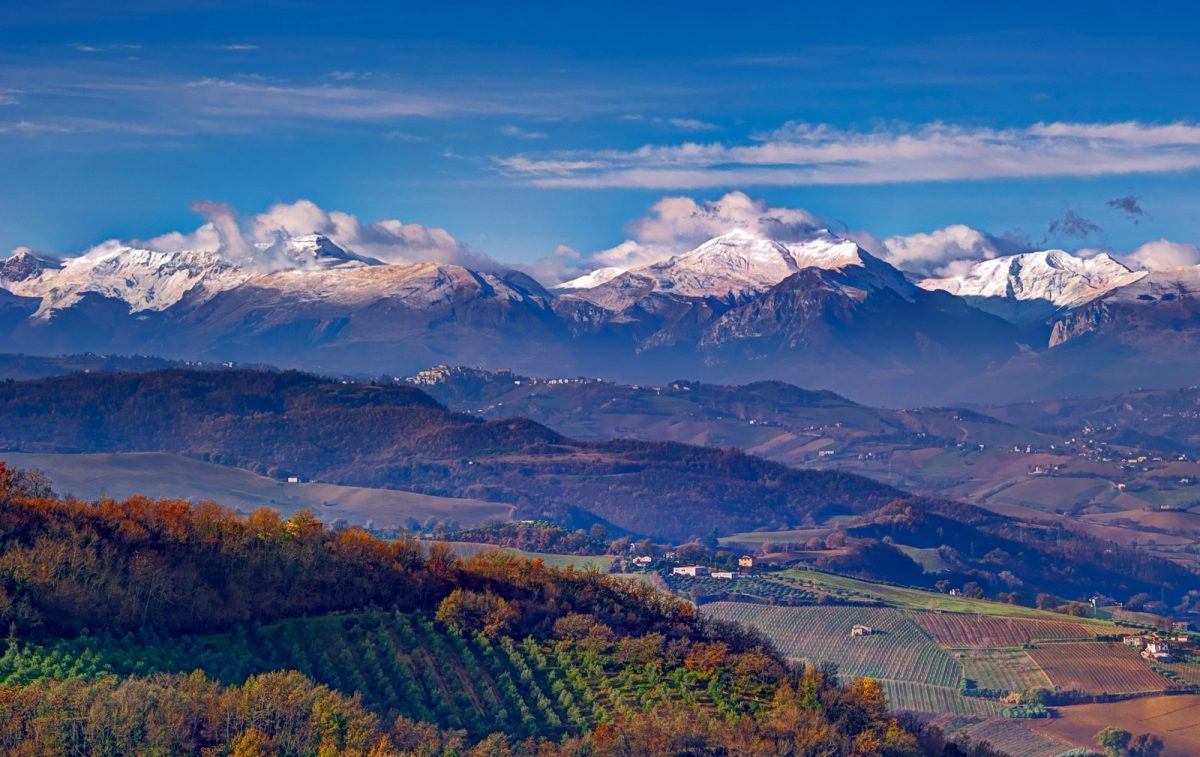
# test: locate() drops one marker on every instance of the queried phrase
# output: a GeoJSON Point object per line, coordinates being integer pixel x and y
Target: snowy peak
{"type": "Point", "coordinates": [589, 280]}
{"type": "Point", "coordinates": [23, 264]}
{"type": "Point", "coordinates": [144, 279]}
{"type": "Point", "coordinates": [1052, 276]}
{"type": "Point", "coordinates": [736, 265]}
{"type": "Point", "coordinates": [315, 251]}
{"type": "Point", "coordinates": [416, 285]}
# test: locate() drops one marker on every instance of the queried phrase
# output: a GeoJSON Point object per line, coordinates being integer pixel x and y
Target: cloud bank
{"type": "Point", "coordinates": [253, 241]}
{"type": "Point", "coordinates": [816, 154]}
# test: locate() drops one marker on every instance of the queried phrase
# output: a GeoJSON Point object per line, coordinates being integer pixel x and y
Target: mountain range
{"type": "Point", "coordinates": [820, 311]}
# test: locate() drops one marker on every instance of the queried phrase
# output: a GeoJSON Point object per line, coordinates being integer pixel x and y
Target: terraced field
{"type": "Point", "coordinates": [1107, 668]}
{"type": "Point", "coordinates": [990, 631]}
{"type": "Point", "coordinates": [1002, 669]}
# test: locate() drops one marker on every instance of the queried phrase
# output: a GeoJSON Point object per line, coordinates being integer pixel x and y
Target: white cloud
{"type": "Point", "coordinates": [563, 263]}
{"type": "Point", "coordinates": [252, 241]}
{"type": "Point", "coordinates": [692, 124]}
{"type": "Point", "coordinates": [1162, 254]}
{"type": "Point", "coordinates": [944, 252]}
{"type": "Point", "coordinates": [390, 240]}
{"type": "Point", "coordinates": [818, 154]}
{"type": "Point", "coordinates": [677, 224]}
{"type": "Point", "coordinates": [516, 132]}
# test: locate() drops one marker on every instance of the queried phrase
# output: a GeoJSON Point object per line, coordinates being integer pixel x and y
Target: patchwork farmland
{"type": "Point", "coordinates": [987, 631]}
{"type": "Point", "coordinates": [1097, 668]}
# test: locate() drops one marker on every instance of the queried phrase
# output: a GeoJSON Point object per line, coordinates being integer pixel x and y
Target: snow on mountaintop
{"type": "Point", "coordinates": [145, 279]}
{"type": "Point", "coordinates": [593, 279]}
{"type": "Point", "coordinates": [316, 251]}
{"type": "Point", "coordinates": [1053, 276]}
{"type": "Point", "coordinates": [736, 264]}
{"type": "Point", "coordinates": [153, 280]}
{"type": "Point", "coordinates": [415, 284]}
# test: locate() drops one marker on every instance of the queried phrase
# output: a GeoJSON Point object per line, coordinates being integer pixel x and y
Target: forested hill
{"type": "Point", "coordinates": [397, 436]}
{"type": "Point", "coordinates": [340, 643]}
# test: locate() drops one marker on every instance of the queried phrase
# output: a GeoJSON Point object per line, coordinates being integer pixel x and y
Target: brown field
{"type": "Point", "coordinates": [1174, 719]}
{"type": "Point", "coordinates": [1097, 668]}
{"type": "Point", "coordinates": [1178, 522]}
{"type": "Point", "coordinates": [980, 631]}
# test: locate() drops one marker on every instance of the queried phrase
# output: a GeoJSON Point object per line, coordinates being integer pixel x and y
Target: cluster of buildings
{"type": "Point", "coordinates": [1156, 647]}
{"type": "Point", "coordinates": [697, 571]}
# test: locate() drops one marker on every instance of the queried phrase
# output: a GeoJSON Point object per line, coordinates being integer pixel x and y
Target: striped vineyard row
{"type": "Point", "coordinates": [401, 664]}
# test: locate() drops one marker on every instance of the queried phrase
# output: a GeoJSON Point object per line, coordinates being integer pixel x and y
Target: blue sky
{"type": "Point", "coordinates": [521, 127]}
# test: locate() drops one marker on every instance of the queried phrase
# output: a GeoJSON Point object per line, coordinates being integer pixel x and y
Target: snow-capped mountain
{"type": "Point", "coordinates": [733, 267]}
{"type": "Point", "coordinates": [1051, 277]}
{"type": "Point", "coordinates": [155, 280]}
{"type": "Point", "coordinates": [819, 311]}
{"type": "Point", "coordinates": [143, 279]}
{"type": "Point", "coordinates": [589, 280]}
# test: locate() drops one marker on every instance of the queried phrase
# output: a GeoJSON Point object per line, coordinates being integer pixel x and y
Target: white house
{"type": "Point", "coordinates": [726, 574]}
{"type": "Point", "coordinates": [691, 570]}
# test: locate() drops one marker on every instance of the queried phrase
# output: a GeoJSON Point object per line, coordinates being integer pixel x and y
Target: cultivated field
{"type": "Point", "coordinates": [157, 474]}
{"type": "Point", "coordinates": [1013, 736]}
{"type": "Point", "coordinates": [899, 651]}
{"type": "Point", "coordinates": [982, 631]}
{"type": "Point", "coordinates": [1174, 719]}
{"type": "Point", "coordinates": [1002, 669]}
{"type": "Point", "coordinates": [1108, 668]}
{"type": "Point", "coordinates": [921, 697]}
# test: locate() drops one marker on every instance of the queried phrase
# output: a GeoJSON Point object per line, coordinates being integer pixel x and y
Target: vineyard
{"type": "Point", "coordinates": [773, 592]}
{"type": "Point", "coordinates": [898, 651]}
{"type": "Point", "coordinates": [1002, 669]}
{"type": "Point", "coordinates": [1016, 737]}
{"type": "Point", "coordinates": [989, 631]}
{"type": "Point", "coordinates": [922, 697]}
{"type": "Point", "coordinates": [1097, 668]}
{"type": "Point", "coordinates": [402, 664]}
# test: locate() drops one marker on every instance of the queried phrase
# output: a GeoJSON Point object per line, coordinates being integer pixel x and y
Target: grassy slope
{"type": "Point", "coordinates": [160, 474]}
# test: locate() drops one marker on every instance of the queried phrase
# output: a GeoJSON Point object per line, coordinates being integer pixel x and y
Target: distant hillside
{"type": "Point", "coordinates": [392, 436]}
{"type": "Point", "coordinates": [282, 424]}
{"type": "Point", "coordinates": [21, 367]}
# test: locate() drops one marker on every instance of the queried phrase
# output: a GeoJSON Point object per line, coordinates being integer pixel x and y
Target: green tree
{"type": "Point", "coordinates": [1114, 741]}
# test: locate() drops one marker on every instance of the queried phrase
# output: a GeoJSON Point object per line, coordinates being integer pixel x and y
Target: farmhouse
{"type": "Point", "coordinates": [726, 574]}
{"type": "Point", "coordinates": [1134, 641]}
{"type": "Point", "coordinates": [1157, 651]}
{"type": "Point", "coordinates": [861, 630]}
{"type": "Point", "coordinates": [746, 561]}
{"type": "Point", "coordinates": [690, 570]}
{"type": "Point", "coordinates": [643, 560]}
{"type": "Point", "coordinates": [293, 479]}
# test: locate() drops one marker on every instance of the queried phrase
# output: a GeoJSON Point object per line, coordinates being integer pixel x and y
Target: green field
{"type": "Point", "coordinates": [918, 599]}
{"type": "Point", "coordinates": [1002, 669]}
{"type": "Point", "coordinates": [160, 474]}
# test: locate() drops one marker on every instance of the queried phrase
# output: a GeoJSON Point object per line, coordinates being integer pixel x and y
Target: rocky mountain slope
{"type": "Point", "coordinates": [820, 311]}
